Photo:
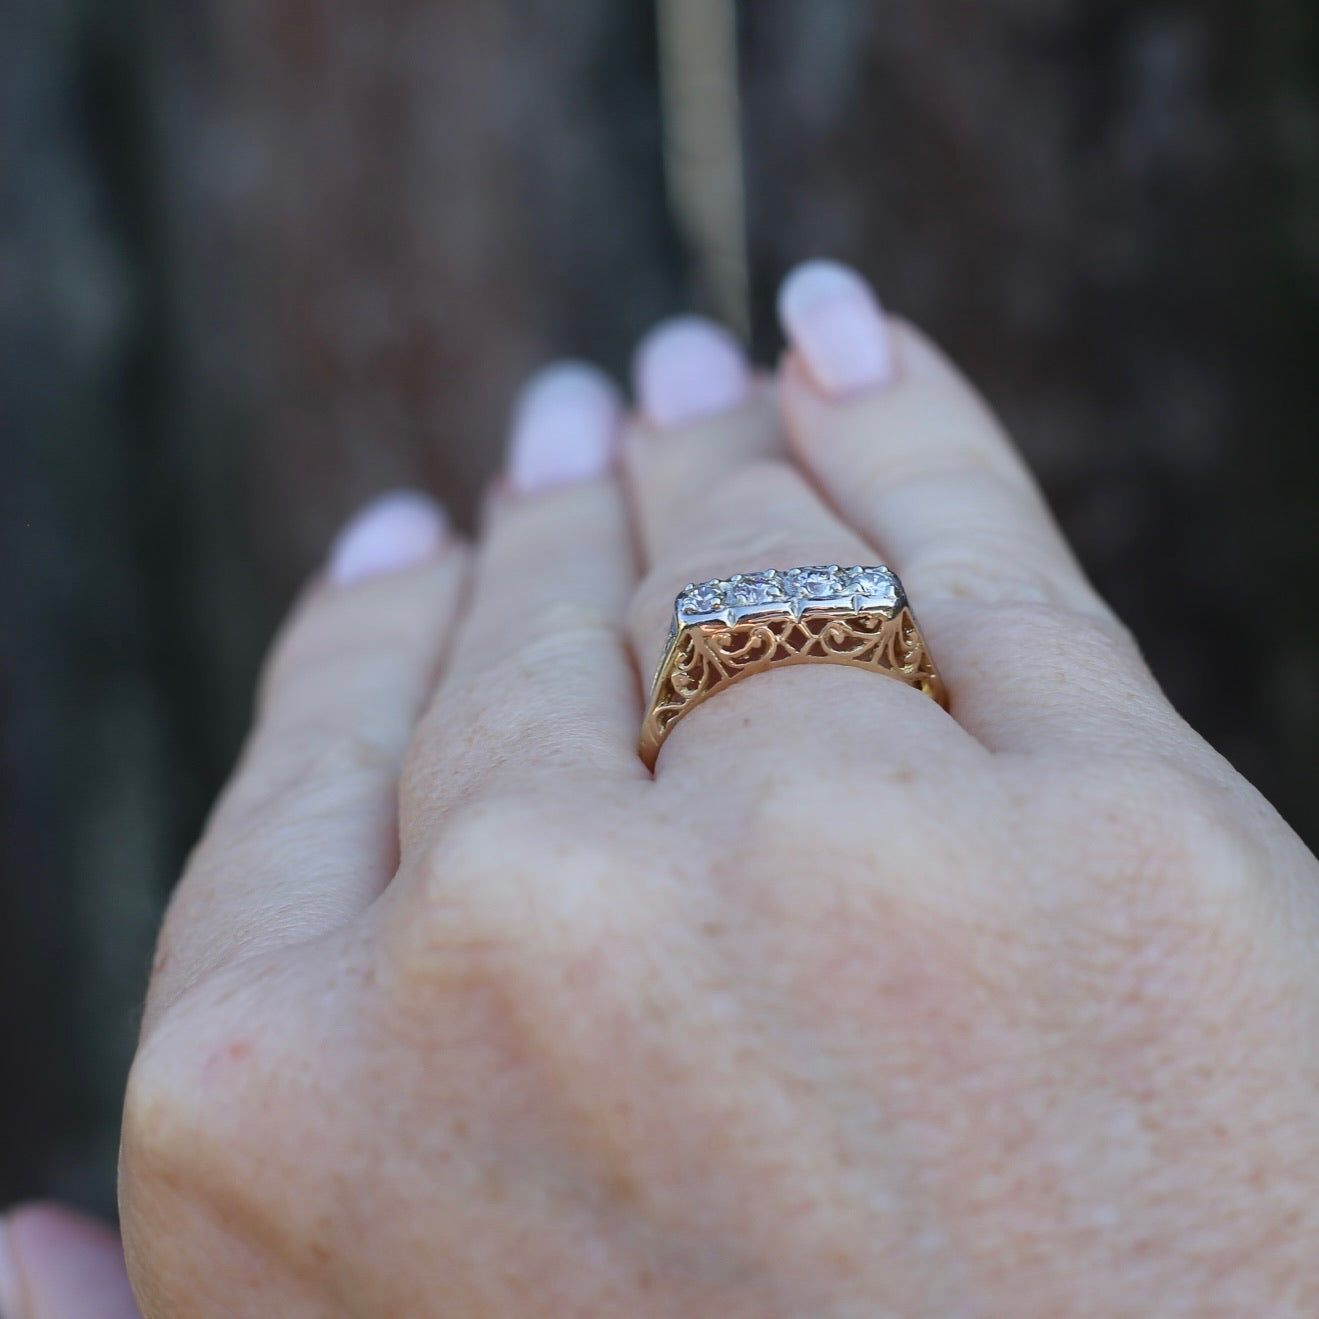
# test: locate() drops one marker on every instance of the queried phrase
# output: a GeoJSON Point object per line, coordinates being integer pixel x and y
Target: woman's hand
{"type": "Point", "coordinates": [854, 1008]}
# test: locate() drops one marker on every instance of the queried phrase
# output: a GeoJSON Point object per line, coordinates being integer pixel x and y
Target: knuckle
{"type": "Point", "coordinates": [544, 632]}
{"type": "Point", "coordinates": [320, 763]}
{"type": "Point", "coordinates": [892, 928]}
{"type": "Point", "coordinates": [1176, 816]}
{"type": "Point", "coordinates": [855, 873]}
{"type": "Point", "coordinates": [350, 753]}
{"type": "Point", "coordinates": [941, 476]}
{"type": "Point", "coordinates": [1158, 913]}
{"type": "Point", "coordinates": [551, 637]}
{"type": "Point", "coordinates": [185, 1097]}
{"type": "Point", "coordinates": [1206, 847]}
{"type": "Point", "coordinates": [1087, 650]}
{"type": "Point", "coordinates": [509, 890]}
{"type": "Point", "coordinates": [566, 622]}
{"type": "Point", "coordinates": [220, 1110]}
{"type": "Point", "coordinates": [514, 939]}
{"type": "Point", "coordinates": [753, 484]}
{"type": "Point", "coordinates": [1153, 844]}
{"type": "Point", "coordinates": [484, 719]}
{"type": "Point", "coordinates": [778, 806]}
{"type": "Point", "coordinates": [479, 855]}
{"type": "Point", "coordinates": [989, 570]}
{"type": "Point", "coordinates": [1099, 641]}
{"type": "Point", "coordinates": [153, 1111]}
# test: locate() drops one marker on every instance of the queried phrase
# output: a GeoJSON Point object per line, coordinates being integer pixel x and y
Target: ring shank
{"type": "Point", "coordinates": [706, 656]}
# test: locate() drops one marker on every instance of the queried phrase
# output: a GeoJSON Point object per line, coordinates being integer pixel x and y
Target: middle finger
{"type": "Point", "coordinates": [540, 687]}
{"type": "Point", "coordinates": [703, 414]}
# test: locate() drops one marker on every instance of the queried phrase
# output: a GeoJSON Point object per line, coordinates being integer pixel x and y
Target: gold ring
{"type": "Point", "coordinates": [724, 631]}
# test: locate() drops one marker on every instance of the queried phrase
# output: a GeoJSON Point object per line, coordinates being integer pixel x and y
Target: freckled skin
{"type": "Point", "coordinates": [819, 1083]}
{"type": "Point", "coordinates": [854, 1009]}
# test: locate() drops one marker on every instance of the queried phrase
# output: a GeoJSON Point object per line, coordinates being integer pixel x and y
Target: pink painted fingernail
{"type": "Point", "coordinates": [70, 1265]}
{"type": "Point", "coordinates": [688, 369]}
{"type": "Point", "coordinates": [394, 532]}
{"type": "Point", "coordinates": [565, 428]}
{"type": "Point", "coordinates": [8, 1275]}
{"type": "Point", "coordinates": [831, 316]}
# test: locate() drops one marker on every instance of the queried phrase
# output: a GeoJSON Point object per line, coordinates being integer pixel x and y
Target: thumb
{"type": "Point", "coordinates": [55, 1264]}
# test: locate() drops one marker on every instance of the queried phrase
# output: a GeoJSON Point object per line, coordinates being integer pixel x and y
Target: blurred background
{"type": "Point", "coordinates": [260, 259]}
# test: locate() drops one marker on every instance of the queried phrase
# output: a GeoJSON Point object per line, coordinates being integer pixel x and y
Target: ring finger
{"type": "Point", "coordinates": [758, 517]}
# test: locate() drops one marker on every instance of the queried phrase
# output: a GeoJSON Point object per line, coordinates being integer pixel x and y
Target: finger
{"type": "Point", "coordinates": [702, 413]}
{"type": "Point", "coordinates": [306, 834]}
{"type": "Point", "coordinates": [540, 689]}
{"type": "Point", "coordinates": [758, 517]}
{"type": "Point", "coordinates": [55, 1264]}
{"type": "Point", "coordinates": [913, 459]}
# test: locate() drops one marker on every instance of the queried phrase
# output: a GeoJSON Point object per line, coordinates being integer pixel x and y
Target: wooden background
{"type": "Point", "coordinates": [262, 258]}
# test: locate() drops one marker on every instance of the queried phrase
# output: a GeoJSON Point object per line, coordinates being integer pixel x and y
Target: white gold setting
{"type": "Point", "coordinates": [734, 627]}
{"type": "Point", "coordinates": [791, 593]}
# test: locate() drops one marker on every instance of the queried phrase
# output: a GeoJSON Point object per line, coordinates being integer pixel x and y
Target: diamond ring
{"type": "Point", "coordinates": [726, 630]}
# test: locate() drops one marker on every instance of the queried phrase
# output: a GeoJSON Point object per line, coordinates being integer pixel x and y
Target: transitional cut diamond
{"type": "Point", "coordinates": [703, 598]}
{"type": "Point", "coordinates": [875, 584]}
{"type": "Point", "coordinates": [757, 588]}
{"type": "Point", "coordinates": [790, 592]}
{"type": "Point", "coordinates": [817, 583]}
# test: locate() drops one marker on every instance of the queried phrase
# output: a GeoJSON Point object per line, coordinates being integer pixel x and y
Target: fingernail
{"type": "Point", "coordinates": [394, 532]}
{"type": "Point", "coordinates": [69, 1265]}
{"type": "Point", "coordinates": [833, 319]}
{"type": "Point", "coordinates": [8, 1276]}
{"type": "Point", "coordinates": [565, 428]}
{"type": "Point", "coordinates": [688, 369]}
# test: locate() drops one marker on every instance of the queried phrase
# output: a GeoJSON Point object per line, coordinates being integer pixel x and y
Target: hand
{"type": "Point", "coordinates": [56, 1264]}
{"type": "Point", "coordinates": [854, 1008]}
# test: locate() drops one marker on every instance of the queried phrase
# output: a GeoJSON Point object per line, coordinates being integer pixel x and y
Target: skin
{"type": "Point", "coordinates": [854, 1008]}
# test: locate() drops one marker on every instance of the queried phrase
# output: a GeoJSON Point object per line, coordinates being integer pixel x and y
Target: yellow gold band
{"type": "Point", "coordinates": [727, 630]}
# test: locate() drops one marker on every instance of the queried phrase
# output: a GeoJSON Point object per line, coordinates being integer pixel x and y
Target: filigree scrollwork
{"type": "Point", "coordinates": [703, 659]}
